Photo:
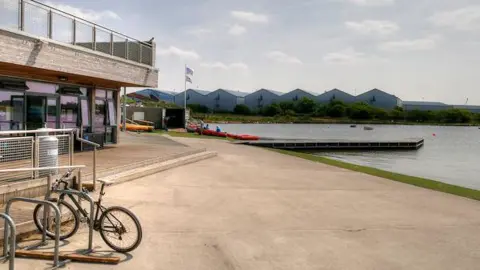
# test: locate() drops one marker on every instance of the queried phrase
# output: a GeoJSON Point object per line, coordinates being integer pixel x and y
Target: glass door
{"type": "Point", "coordinates": [52, 112]}
{"type": "Point", "coordinates": [36, 111]}
{"type": "Point", "coordinates": [99, 121]}
{"type": "Point", "coordinates": [17, 103]}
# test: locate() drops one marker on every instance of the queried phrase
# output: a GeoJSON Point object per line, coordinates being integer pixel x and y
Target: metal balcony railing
{"type": "Point", "coordinates": [42, 20]}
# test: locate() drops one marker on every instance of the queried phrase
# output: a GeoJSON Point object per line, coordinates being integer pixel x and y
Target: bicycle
{"type": "Point", "coordinates": [107, 221]}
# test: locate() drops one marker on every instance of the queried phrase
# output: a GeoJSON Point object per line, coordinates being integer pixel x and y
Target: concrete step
{"type": "Point", "coordinates": [139, 172]}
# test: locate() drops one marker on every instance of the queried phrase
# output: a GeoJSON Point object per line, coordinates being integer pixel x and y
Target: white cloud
{"type": "Point", "coordinates": [237, 30]}
{"type": "Point", "coordinates": [220, 65]}
{"type": "Point", "coordinates": [174, 51]}
{"type": "Point", "coordinates": [250, 16]}
{"type": "Point", "coordinates": [465, 19]}
{"type": "Point", "coordinates": [346, 56]}
{"type": "Point", "coordinates": [89, 15]}
{"type": "Point", "coordinates": [421, 44]}
{"type": "Point", "coordinates": [9, 4]}
{"type": "Point", "coordinates": [199, 32]}
{"type": "Point", "coordinates": [372, 2]}
{"type": "Point", "coordinates": [282, 57]}
{"type": "Point", "coordinates": [373, 27]}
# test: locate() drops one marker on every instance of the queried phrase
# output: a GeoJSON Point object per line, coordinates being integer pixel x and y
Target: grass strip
{"type": "Point", "coordinates": [411, 180]}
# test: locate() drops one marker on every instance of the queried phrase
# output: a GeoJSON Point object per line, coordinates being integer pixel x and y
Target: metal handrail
{"type": "Point", "coordinates": [10, 132]}
{"type": "Point", "coordinates": [94, 165]}
{"type": "Point", "coordinates": [91, 23]}
{"type": "Point", "coordinates": [9, 253]}
{"type": "Point", "coordinates": [42, 168]}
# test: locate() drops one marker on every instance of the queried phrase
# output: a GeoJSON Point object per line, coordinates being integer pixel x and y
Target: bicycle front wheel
{"type": "Point", "coordinates": [120, 229]}
{"type": "Point", "coordinates": [69, 220]}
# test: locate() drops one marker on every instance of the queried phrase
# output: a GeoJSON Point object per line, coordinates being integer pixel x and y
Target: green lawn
{"type": "Point", "coordinates": [412, 180]}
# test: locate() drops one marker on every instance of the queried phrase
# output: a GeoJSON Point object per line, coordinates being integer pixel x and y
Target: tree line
{"type": "Point", "coordinates": [306, 107]}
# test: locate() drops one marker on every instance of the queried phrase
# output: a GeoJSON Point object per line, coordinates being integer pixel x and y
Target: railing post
{"type": "Point", "coordinates": [111, 44]}
{"type": "Point", "coordinates": [94, 167]}
{"type": "Point", "coordinates": [21, 15]}
{"type": "Point", "coordinates": [94, 38]}
{"type": "Point", "coordinates": [126, 48]}
{"type": "Point", "coordinates": [71, 149]}
{"type": "Point", "coordinates": [74, 31]}
{"type": "Point", "coordinates": [50, 24]}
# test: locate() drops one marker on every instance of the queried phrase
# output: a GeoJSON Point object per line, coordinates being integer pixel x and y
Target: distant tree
{"type": "Point", "coordinates": [305, 106]}
{"type": "Point", "coordinates": [360, 111]}
{"type": "Point", "coordinates": [286, 106]}
{"type": "Point", "coordinates": [198, 108]}
{"type": "Point", "coordinates": [337, 110]}
{"type": "Point", "coordinates": [271, 110]}
{"type": "Point", "coordinates": [242, 109]}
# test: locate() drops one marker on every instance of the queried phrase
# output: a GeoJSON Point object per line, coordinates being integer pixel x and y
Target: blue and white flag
{"type": "Point", "coordinates": [187, 79]}
{"type": "Point", "coordinates": [188, 71]}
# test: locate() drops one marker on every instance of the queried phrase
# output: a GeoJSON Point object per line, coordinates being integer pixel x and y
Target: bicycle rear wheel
{"type": "Point", "coordinates": [120, 229]}
{"type": "Point", "coordinates": [68, 216]}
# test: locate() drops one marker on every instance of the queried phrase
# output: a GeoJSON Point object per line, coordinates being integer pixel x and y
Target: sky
{"type": "Point", "coordinates": [415, 49]}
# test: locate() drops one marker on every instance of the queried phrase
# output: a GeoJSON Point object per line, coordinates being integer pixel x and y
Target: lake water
{"type": "Point", "coordinates": [451, 156]}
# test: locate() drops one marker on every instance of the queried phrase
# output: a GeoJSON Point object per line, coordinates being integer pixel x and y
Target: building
{"type": "Point", "coordinates": [194, 96]}
{"type": "Point", "coordinates": [335, 94]}
{"type": "Point", "coordinates": [470, 108]}
{"type": "Point", "coordinates": [425, 106]}
{"type": "Point", "coordinates": [225, 100]}
{"type": "Point", "coordinates": [65, 73]}
{"type": "Point", "coordinates": [158, 95]}
{"type": "Point", "coordinates": [296, 95]}
{"type": "Point", "coordinates": [379, 99]}
{"type": "Point", "coordinates": [257, 100]}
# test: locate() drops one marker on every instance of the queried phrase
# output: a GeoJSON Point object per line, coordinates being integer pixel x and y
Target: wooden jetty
{"type": "Point", "coordinates": [332, 144]}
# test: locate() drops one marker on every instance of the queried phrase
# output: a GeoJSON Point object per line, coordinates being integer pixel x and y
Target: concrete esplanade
{"type": "Point", "coordinates": [251, 208]}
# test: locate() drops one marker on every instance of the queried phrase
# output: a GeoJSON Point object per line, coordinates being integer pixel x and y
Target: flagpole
{"type": "Point", "coordinates": [185, 96]}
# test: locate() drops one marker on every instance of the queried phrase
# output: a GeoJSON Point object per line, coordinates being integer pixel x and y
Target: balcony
{"type": "Point", "coordinates": [44, 21]}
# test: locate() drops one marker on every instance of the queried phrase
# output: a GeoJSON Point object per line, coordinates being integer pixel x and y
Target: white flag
{"type": "Point", "coordinates": [187, 79]}
{"type": "Point", "coordinates": [188, 71]}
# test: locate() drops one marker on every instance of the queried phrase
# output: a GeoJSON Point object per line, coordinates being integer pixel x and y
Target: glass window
{"type": "Point", "coordinates": [84, 91]}
{"type": "Point", "coordinates": [110, 94]}
{"type": "Point", "coordinates": [111, 113]}
{"type": "Point", "coordinates": [85, 113]}
{"type": "Point", "coordinates": [99, 121]}
{"type": "Point", "coordinates": [45, 88]}
{"type": "Point", "coordinates": [69, 111]}
{"type": "Point", "coordinates": [11, 110]}
{"type": "Point", "coordinates": [52, 113]}
{"type": "Point", "coordinates": [100, 93]}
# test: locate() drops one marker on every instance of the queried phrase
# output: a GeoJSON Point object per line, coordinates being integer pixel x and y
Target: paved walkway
{"type": "Point", "coordinates": [250, 208]}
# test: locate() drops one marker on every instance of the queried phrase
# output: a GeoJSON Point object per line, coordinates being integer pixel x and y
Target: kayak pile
{"type": "Point", "coordinates": [243, 137]}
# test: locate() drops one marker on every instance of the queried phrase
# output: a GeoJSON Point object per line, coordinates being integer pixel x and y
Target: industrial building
{"type": "Point", "coordinates": [335, 94]}
{"type": "Point", "coordinates": [257, 100]}
{"type": "Point", "coordinates": [296, 94]}
{"type": "Point", "coordinates": [379, 99]}
{"type": "Point", "coordinates": [225, 100]}
{"type": "Point", "coordinates": [194, 96]}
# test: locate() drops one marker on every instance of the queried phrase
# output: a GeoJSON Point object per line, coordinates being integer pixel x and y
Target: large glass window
{"type": "Point", "coordinates": [68, 111]}
{"type": "Point", "coordinates": [85, 113]}
{"type": "Point", "coordinates": [11, 110]}
{"type": "Point", "coordinates": [52, 112]}
{"type": "Point", "coordinates": [99, 121]}
{"type": "Point", "coordinates": [111, 113]}
{"type": "Point", "coordinates": [100, 93]}
{"type": "Point", "coordinates": [44, 88]}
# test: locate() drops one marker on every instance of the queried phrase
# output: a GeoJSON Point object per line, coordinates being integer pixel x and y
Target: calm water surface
{"type": "Point", "coordinates": [451, 156]}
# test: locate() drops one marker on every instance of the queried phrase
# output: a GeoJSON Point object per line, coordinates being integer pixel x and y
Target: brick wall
{"type": "Point", "coordinates": [22, 49]}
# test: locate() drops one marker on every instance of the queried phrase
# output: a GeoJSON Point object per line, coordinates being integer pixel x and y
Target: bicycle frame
{"type": "Point", "coordinates": [99, 210]}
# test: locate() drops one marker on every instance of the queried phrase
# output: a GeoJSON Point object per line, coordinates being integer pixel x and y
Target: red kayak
{"type": "Point", "coordinates": [246, 137]}
{"type": "Point", "coordinates": [209, 132]}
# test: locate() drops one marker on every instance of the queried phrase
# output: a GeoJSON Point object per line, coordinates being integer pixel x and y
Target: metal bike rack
{"type": "Point", "coordinates": [79, 194]}
{"type": "Point", "coordinates": [46, 204]}
{"type": "Point", "coordinates": [9, 252]}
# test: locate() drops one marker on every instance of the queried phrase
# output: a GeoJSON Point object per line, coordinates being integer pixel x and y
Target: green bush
{"type": "Point", "coordinates": [198, 108]}
{"type": "Point", "coordinates": [241, 109]}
